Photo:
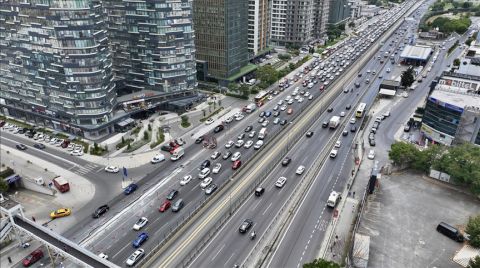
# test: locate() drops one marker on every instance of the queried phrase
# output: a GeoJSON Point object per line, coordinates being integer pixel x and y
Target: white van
{"type": "Point", "coordinates": [333, 199]}
{"type": "Point", "coordinates": [204, 173]}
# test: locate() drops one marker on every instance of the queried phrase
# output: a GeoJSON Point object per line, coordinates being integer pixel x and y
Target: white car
{"type": "Point", "coordinates": [353, 120]}
{"type": "Point", "coordinates": [371, 154]}
{"type": "Point", "coordinates": [229, 119]}
{"type": "Point", "coordinates": [207, 181]}
{"type": "Point", "coordinates": [59, 142]}
{"type": "Point", "coordinates": [338, 144]}
{"type": "Point", "coordinates": [405, 95]}
{"type": "Point", "coordinates": [137, 255]}
{"type": "Point", "coordinates": [280, 102]}
{"type": "Point", "coordinates": [209, 121]}
{"type": "Point", "coordinates": [283, 107]}
{"type": "Point", "coordinates": [215, 155]}
{"type": "Point", "coordinates": [112, 169]}
{"type": "Point", "coordinates": [300, 100]}
{"type": "Point", "coordinates": [280, 182]}
{"type": "Point", "coordinates": [252, 134]}
{"type": "Point", "coordinates": [236, 156]}
{"type": "Point", "coordinates": [248, 144]}
{"type": "Point", "coordinates": [342, 114]}
{"type": "Point", "coordinates": [239, 143]}
{"type": "Point", "coordinates": [158, 158]}
{"type": "Point", "coordinates": [333, 153]}
{"type": "Point", "coordinates": [140, 223]}
{"type": "Point", "coordinates": [53, 141]}
{"type": "Point", "coordinates": [204, 173]}
{"type": "Point", "coordinates": [265, 123]}
{"type": "Point", "coordinates": [103, 256]}
{"type": "Point", "coordinates": [310, 97]}
{"type": "Point", "coordinates": [240, 117]}
{"type": "Point", "coordinates": [258, 144]}
{"type": "Point", "coordinates": [270, 97]}
{"type": "Point", "coordinates": [71, 147]}
{"type": "Point", "coordinates": [185, 180]}
{"type": "Point", "coordinates": [290, 101]}
{"type": "Point", "coordinates": [77, 152]}
{"type": "Point", "coordinates": [229, 144]}
{"type": "Point", "coordinates": [216, 168]}
{"type": "Point", "coordinates": [300, 170]}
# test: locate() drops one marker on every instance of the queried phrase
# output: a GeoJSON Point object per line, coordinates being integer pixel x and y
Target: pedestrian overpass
{"type": "Point", "coordinates": [14, 224]}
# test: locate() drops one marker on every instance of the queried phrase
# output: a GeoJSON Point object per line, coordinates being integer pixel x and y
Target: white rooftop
{"type": "Point", "coordinates": [458, 99]}
{"type": "Point", "coordinates": [416, 52]}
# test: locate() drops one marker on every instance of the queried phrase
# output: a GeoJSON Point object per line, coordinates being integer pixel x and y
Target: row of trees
{"type": "Point", "coordinates": [461, 162]}
{"type": "Point", "coordinates": [447, 25]}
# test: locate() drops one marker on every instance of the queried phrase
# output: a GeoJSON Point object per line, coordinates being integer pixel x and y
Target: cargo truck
{"type": "Point", "coordinates": [61, 184]}
{"type": "Point", "coordinates": [177, 153]}
{"type": "Point", "coordinates": [334, 122]}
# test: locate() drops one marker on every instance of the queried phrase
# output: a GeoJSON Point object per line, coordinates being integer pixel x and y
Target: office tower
{"type": "Point", "coordinates": [339, 11]}
{"type": "Point", "coordinates": [152, 46]}
{"type": "Point", "coordinates": [258, 26]}
{"type": "Point", "coordinates": [220, 39]}
{"type": "Point", "coordinates": [55, 65]}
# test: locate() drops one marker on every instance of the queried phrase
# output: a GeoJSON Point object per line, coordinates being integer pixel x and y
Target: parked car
{"type": "Point", "coordinates": [32, 258]}
{"type": "Point", "coordinates": [21, 147]}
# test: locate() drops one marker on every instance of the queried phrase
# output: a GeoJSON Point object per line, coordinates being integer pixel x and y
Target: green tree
{"type": "Point", "coordinates": [145, 135]}
{"type": "Point", "coordinates": [267, 74]}
{"type": "Point", "coordinates": [402, 153]}
{"type": "Point", "coordinates": [233, 86]}
{"type": "Point", "coordinates": [291, 66]}
{"type": "Point", "coordinates": [456, 62]}
{"type": "Point", "coordinates": [351, 24]}
{"type": "Point", "coordinates": [474, 263]}
{"type": "Point", "coordinates": [284, 56]}
{"type": "Point", "coordinates": [184, 122]}
{"type": "Point", "coordinates": [424, 159]}
{"type": "Point", "coordinates": [321, 263]}
{"type": "Point", "coordinates": [407, 78]}
{"type": "Point", "coordinates": [123, 140]}
{"type": "Point", "coordinates": [149, 127]}
{"type": "Point", "coordinates": [3, 186]}
{"type": "Point", "coordinates": [244, 89]}
{"type": "Point", "coordinates": [473, 229]}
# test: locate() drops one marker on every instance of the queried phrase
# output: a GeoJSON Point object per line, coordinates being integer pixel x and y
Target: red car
{"type": "Point", "coordinates": [165, 206]}
{"type": "Point", "coordinates": [32, 258]}
{"type": "Point", "coordinates": [236, 164]}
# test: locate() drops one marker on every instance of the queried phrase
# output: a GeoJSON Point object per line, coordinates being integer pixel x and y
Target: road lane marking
{"type": "Point", "coordinates": [120, 251]}
{"type": "Point", "coordinates": [265, 211]}
{"type": "Point", "coordinates": [256, 205]}
{"type": "Point", "coordinates": [220, 250]}
{"type": "Point", "coordinates": [229, 259]}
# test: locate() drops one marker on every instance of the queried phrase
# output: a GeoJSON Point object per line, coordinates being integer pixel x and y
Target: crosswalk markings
{"type": "Point", "coordinates": [87, 168]}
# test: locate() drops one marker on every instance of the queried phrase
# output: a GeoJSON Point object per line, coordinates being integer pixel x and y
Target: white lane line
{"type": "Point", "coordinates": [256, 205]}
{"type": "Point", "coordinates": [120, 251]}
{"type": "Point", "coordinates": [100, 169]}
{"type": "Point", "coordinates": [220, 250]}
{"type": "Point", "coordinates": [265, 211]}
{"type": "Point", "coordinates": [229, 259]}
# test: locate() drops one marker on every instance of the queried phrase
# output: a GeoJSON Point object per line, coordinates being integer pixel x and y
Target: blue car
{"type": "Point", "coordinates": [140, 240]}
{"type": "Point", "coordinates": [268, 114]}
{"type": "Point", "coordinates": [130, 189]}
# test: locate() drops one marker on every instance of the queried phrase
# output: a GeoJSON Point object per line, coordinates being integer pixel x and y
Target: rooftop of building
{"type": "Point", "coordinates": [470, 67]}
{"type": "Point", "coordinates": [416, 52]}
{"type": "Point", "coordinates": [390, 83]}
{"type": "Point", "coordinates": [456, 98]}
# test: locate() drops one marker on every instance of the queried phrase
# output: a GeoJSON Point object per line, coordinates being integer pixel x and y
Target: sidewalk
{"type": "Point", "coordinates": [40, 205]}
{"type": "Point", "coordinates": [16, 253]}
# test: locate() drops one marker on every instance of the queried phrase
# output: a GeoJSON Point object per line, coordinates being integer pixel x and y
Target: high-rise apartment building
{"type": "Point", "coordinates": [220, 38]}
{"type": "Point", "coordinates": [258, 26]}
{"type": "Point", "coordinates": [297, 22]}
{"type": "Point", "coordinates": [152, 45]}
{"type": "Point", "coordinates": [55, 65]}
{"type": "Point", "coordinates": [339, 11]}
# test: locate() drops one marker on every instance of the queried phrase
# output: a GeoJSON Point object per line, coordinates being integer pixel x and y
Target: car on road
{"type": "Point", "coordinates": [333, 153]}
{"type": "Point", "coordinates": [141, 238]}
{"type": "Point", "coordinates": [199, 139]}
{"type": "Point", "coordinates": [324, 124]}
{"type": "Point", "coordinates": [178, 205]}
{"type": "Point", "coordinates": [172, 194]}
{"type": "Point", "coordinates": [32, 258]}
{"type": "Point", "coordinates": [346, 90]}
{"type": "Point", "coordinates": [112, 169]}
{"type": "Point", "coordinates": [209, 121]}
{"type": "Point", "coordinates": [215, 155]}
{"type": "Point", "coordinates": [371, 154]}
{"type": "Point", "coordinates": [239, 143]}
{"type": "Point", "coordinates": [21, 147]}
{"type": "Point", "coordinates": [248, 128]}
{"type": "Point", "coordinates": [205, 164]}
{"type": "Point", "coordinates": [261, 120]}
{"type": "Point", "coordinates": [165, 206]}
{"type": "Point", "coordinates": [353, 128]}
{"type": "Point", "coordinates": [185, 180]}
{"type": "Point", "coordinates": [241, 136]}
{"type": "Point", "coordinates": [229, 144]}
{"type": "Point", "coordinates": [338, 144]}
{"type": "Point", "coordinates": [371, 142]}
{"type": "Point", "coordinates": [289, 111]}
{"type": "Point", "coordinates": [158, 158]}
{"type": "Point", "coordinates": [353, 120]}
{"type": "Point", "coordinates": [100, 211]}
{"type": "Point", "coordinates": [137, 255]}
{"type": "Point", "coordinates": [210, 189]}
{"type": "Point", "coordinates": [348, 107]}
{"type": "Point", "coordinates": [248, 144]}
{"type": "Point", "coordinates": [280, 182]}
{"type": "Point", "coordinates": [77, 152]}
{"type": "Point", "coordinates": [216, 168]}
{"type": "Point", "coordinates": [236, 156]}
{"type": "Point", "coordinates": [300, 170]}
{"type": "Point", "coordinates": [132, 187]}
{"type": "Point", "coordinates": [103, 256]}
{"type": "Point", "coordinates": [245, 226]}
{"type": "Point", "coordinates": [236, 164]}
{"type": "Point", "coordinates": [276, 114]}
{"type": "Point", "coordinates": [207, 181]}
{"type": "Point", "coordinates": [262, 114]}
{"type": "Point", "coordinates": [258, 145]}
{"type": "Point", "coordinates": [226, 155]}
{"type": "Point", "coordinates": [286, 161]}
{"type": "Point", "coordinates": [229, 120]}
{"type": "Point", "coordinates": [252, 134]}
{"type": "Point", "coordinates": [345, 133]}
{"type": "Point", "coordinates": [259, 191]}
{"type": "Point", "coordinates": [59, 213]}
{"type": "Point", "coordinates": [140, 223]}
{"type": "Point", "coordinates": [330, 109]}
{"type": "Point", "coordinates": [39, 146]}
{"type": "Point", "coordinates": [283, 122]}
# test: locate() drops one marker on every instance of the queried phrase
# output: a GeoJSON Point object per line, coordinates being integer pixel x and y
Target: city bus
{"type": "Point", "coordinates": [261, 97]}
{"type": "Point", "coordinates": [360, 109]}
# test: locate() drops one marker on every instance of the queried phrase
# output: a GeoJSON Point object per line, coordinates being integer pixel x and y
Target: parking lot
{"type": "Point", "coordinates": [401, 219]}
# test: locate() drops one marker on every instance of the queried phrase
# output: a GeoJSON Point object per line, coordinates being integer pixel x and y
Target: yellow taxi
{"type": "Point", "coordinates": [63, 212]}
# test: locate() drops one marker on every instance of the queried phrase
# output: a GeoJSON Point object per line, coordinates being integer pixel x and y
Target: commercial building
{"type": "Point", "coordinates": [298, 22]}
{"type": "Point", "coordinates": [452, 111]}
{"type": "Point", "coordinates": [152, 44]}
{"type": "Point", "coordinates": [416, 55]}
{"type": "Point", "coordinates": [258, 27]}
{"type": "Point", "coordinates": [221, 42]}
{"type": "Point", "coordinates": [339, 11]}
{"type": "Point", "coordinates": [370, 10]}
{"type": "Point", "coordinates": [56, 67]}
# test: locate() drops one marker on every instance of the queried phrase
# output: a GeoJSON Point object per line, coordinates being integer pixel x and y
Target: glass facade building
{"type": "Point", "coordinates": [152, 43]}
{"type": "Point", "coordinates": [220, 37]}
{"type": "Point", "coordinates": [55, 64]}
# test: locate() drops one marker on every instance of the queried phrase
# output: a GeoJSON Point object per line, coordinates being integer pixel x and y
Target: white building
{"type": "Point", "coordinates": [258, 26]}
